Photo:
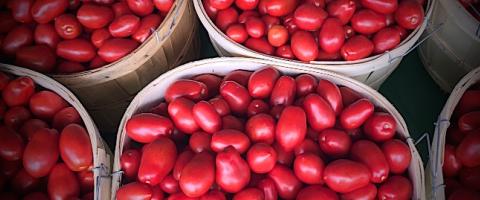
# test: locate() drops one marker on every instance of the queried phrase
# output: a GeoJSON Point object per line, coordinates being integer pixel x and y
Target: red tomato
{"type": "Point", "coordinates": [206, 117]}
{"type": "Point", "coordinates": [381, 6]}
{"type": "Point", "coordinates": [180, 111]}
{"type": "Point", "coordinates": [62, 183]}
{"type": "Point", "coordinates": [180, 163]}
{"type": "Point", "coordinates": [278, 8]}
{"type": "Point", "coordinates": [469, 121]}
{"type": "Point", "coordinates": [464, 194]}
{"type": "Point", "coordinates": [468, 102]}
{"type": "Point", "coordinates": [261, 128]}
{"type": "Point", "coordinates": [396, 187]}
{"type": "Point", "coordinates": [86, 180]}
{"type": "Point", "coordinates": [198, 175]}
{"type": "Point", "coordinates": [334, 142]}
{"type": "Point", "coordinates": [220, 4]}
{"type": "Point", "coordinates": [349, 32]}
{"type": "Point", "coordinates": [41, 153]}
{"type": "Point", "coordinates": [349, 96]}
{"type": "Point", "coordinates": [28, 57]}
{"type": "Point", "coordinates": [257, 107]}
{"type": "Point", "coordinates": [468, 150]}
{"type": "Point", "coordinates": [76, 148]}
{"type": "Point", "coordinates": [65, 117]}
{"type": "Point", "coordinates": [270, 21]}
{"type": "Point", "coordinates": [269, 189]}
{"type": "Point", "coordinates": [283, 92]}
{"type": "Point", "coordinates": [130, 162]}
{"type": "Point", "coordinates": [231, 122]}
{"type": "Point", "coordinates": [255, 27]}
{"type": "Point", "coordinates": [213, 195]}
{"type": "Point", "coordinates": [67, 67]}
{"type": "Point", "coordinates": [229, 137]}
{"type": "Point", "coordinates": [367, 192]}
{"type": "Point", "coordinates": [309, 17]}
{"type": "Point", "coordinates": [17, 37]}
{"type": "Point", "coordinates": [470, 177]}
{"type": "Point", "coordinates": [291, 127]}
{"type": "Point", "coordinates": [134, 190]}
{"type": "Point", "coordinates": [170, 185]}
{"type": "Point", "coordinates": [342, 9]}
{"type": "Point", "coordinates": [331, 93]}
{"type": "Point", "coordinates": [94, 16]}
{"type": "Point", "coordinates": [67, 26]}
{"type": "Point", "coordinates": [21, 10]}
{"type": "Point", "coordinates": [220, 105]}
{"type": "Point", "coordinates": [29, 127]}
{"type": "Point", "coordinates": [121, 8]}
{"type": "Point", "coordinates": [318, 3]}
{"type": "Point", "coordinates": [317, 192]}
{"type": "Point", "coordinates": [18, 92]}
{"type": "Point", "coordinates": [147, 24]}
{"type": "Point", "coordinates": [319, 113]}
{"type": "Point", "coordinates": [194, 90]}
{"type": "Point", "coordinates": [151, 171]}
{"type": "Point", "coordinates": [99, 36]}
{"type": "Point", "coordinates": [260, 45]}
{"type": "Point", "coordinates": [16, 116]}
{"type": "Point", "coordinates": [368, 153]}
{"type": "Point", "coordinates": [44, 11]}
{"type": "Point", "coordinates": [308, 146]}
{"type": "Point", "coordinates": [163, 5]}
{"type": "Point", "coordinates": [237, 33]}
{"type": "Point", "coordinates": [398, 155]}
{"type": "Point", "coordinates": [211, 81]}
{"type": "Point", "coordinates": [200, 141]}
{"type": "Point", "coordinates": [409, 14]}
{"type": "Point", "coordinates": [346, 176]}
{"type": "Point", "coordinates": [7, 22]}
{"type": "Point", "coordinates": [247, 4]}
{"type": "Point", "coordinates": [116, 48]}
{"type": "Point", "coordinates": [124, 26]}
{"type": "Point", "coordinates": [97, 62]}
{"type": "Point", "coordinates": [11, 144]}
{"type": "Point", "coordinates": [286, 183]}
{"type": "Point", "coordinates": [285, 51]}
{"type": "Point", "coordinates": [386, 39]}
{"type": "Point", "coordinates": [306, 84]}
{"type": "Point", "coordinates": [141, 7]}
{"type": "Point", "coordinates": [239, 76]}
{"type": "Point", "coordinates": [45, 104]}
{"type": "Point", "coordinates": [332, 35]}
{"type": "Point", "coordinates": [146, 127]}
{"type": "Point", "coordinates": [261, 158]}
{"type": "Point", "coordinates": [232, 172]}
{"type": "Point", "coordinates": [304, 46]}
{"type": "Point", "coordinates": [210, 10]}
{"type": "Point", "coordinates": [309, 168]}
{"type": "Point", "coordinates": [236, 96]}
{"type": "Point", "coordinates": [402, 31]}
{"type": "Point", "coordinates": [368, 22]}
{"type": "Point", "coordinates": [356, 114]}
{"type": "Point", "coordinates": [249, 194]}
{"type": "Point", "coordinates": [277, 35]}
{"type": "Point", "coordinates": [77, 50]}
{"type": "Point", "coordinates": [380, 127]}
{"type": "Point", "coordinates": [226, 18]}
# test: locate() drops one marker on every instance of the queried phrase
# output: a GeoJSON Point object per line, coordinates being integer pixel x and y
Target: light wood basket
{"type": "Point", "coordinates": [107, 91]}
{"type": "Point", "coordinates": [153, 93]}
{"type": "Point", "coordinates": [101, 153]}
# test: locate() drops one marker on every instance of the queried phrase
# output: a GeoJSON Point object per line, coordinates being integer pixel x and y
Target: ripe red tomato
{"type": "Point", "coordinates": [200, 141]}
{"type": "Point", "coordinates": [67, 26]}
{"type": "Point", "coordinates": [18, 92]}
{"type": "Point", "coordinates": [124, 26]}
{"type": "Point", "coordinates": [368, 22]}
{"type": "Point", "coordinates": [309, 17]}
{"type": "Point", "coordinates": [381, 6]}
{"type": "Point", "coordinates": [245, 15]}
{"type": "Point", "coordinates": [193, 90]}
{"type": "Point", "coordinates": [247, 4]}
{"type": "Point", "coordinates": [147, 24]}
{"type": "Point", "coordinates": [16, 38]}
{"type": "Point", "coordinates": [220, 105]}
{"type": "Point", "coordinates": [116, 48]}
{"type": "Point", "coordinates": [285, 181]}
{"type": "Point", "coordinates": [283, 92]}
{"type": "Point", "coordinates": [163, 5]}
{"type": "Point", "coordinates": [277, 35]}
{"type": "Point", "coordinates": [346, 176]}
{"type": "Point", "coordinates": [151, 171]}
{"type": "Point", "coordinates": [29, 127]}
{"type": "Point", "coordinates": [317, 3]}
{"type": "Point", "coordinates": [45, 104]}
{"type": "Point", "coordinates": [198, 175]}
{"type": "Point", "coordinates": [140, 7]}
{"type": "Point", "coordinates": [257, 107]}
{"type": "Point", "coordinates": [261, 158]}
{"type": "Point", "coordinates": [231, 122]}
{"type": "Point", "coordinates": [213, 195]}
{"type": "Point", "coordinates": [249, 194]}
{"type": "Point", "coordinates": [62, 183]}
{"type": "Point", "coordinates": [380, 127]}
{"type": "Point", "coordinates": [220, 4]}
{"type": "Point", "coordinates": [342, 9]}
{"type": "Point", "coordinates": [255, 27]}
{"type": "Point", "coordinates": [21, 10]}
{"type": "Point", "coordinates": [468, 102]}
{"type": "Point", "coordinates": [267, 185]}
{"type": "Point", "coordinates": [94, 16]}
{"type": "Point", "coordinates": [386, 39]}
{"type": "Point", "coordinates": [368, 153]}
{"type": "Point", "coordinates": [67, 67]}
{"type": "Point", "coordinates": [306, 84]}
{"type": "Point", "coordinates": [334, 142]}
{"type": "Point", "coordinates": [134, 190]}
{"type": "Point", "coordinates": [236, 95]}
{"type": "Point", "coordinates": [64, 117]}
{"type": "Point", "coordinates": [29, 57]}
{"type": "Point", "coordinates": [130, 162]}
{"type": "Point", "coordinates": [180, 163]}
{"type": "Point", "coordinates": [278, 8]}
{"type": "Point", "coordinates": [285, 51]}
{"type": "Point", "coordinates": [469, 121]}
{"type": "Point", "coordinates": [76, 148]}
{"type": "Point", "coordinates": [331, 93]}
{"type": "Point", "coordinates": [291, 128]}
{"type": "Point", "coordinates": [367, 192]}
{"type": "Point", "coordinates": [232, 171]}
{"type": "Point", "coordinates": [270, 21]}
{"type": "Point", "coordinates": [44, 11]}
{"type": "Point", "coordinates": [260, 45]}
{"type": "Point", "coordinates": [16, 116]}
{"type": "Point", "coordinates": [398, 155]}
{"type": "Point", "coordinates": [397, 187]}
{"type": "Point", "coordinates": [206, 117]}
{"type": "Point", "coordinates": [239, 76]}
{"type": "Point", "coordinates": [180, 110]}
{"type": "Point", "coordinates": [237, 33]}
{"type": "Point", "coordinates": [211, 81]}
{"type": "Point", "coordinates": [146, 127]}
{"type": "Point", "coordinates": [304, 46]}
{"type": "Point", "coordinates": [170, 185]}
{"type": "Point", "coordinates": [86, 181]}
{"type": "Point", "coordinates": [4, 80]}
{"type": "Point", "coordinates": [468, 150]}
{"type": "Point", "coordinates": [77, 50]}
{"type": "Point", "coordinates": [261, 128]}
{"type": "Point", "coordinates": [331, 36]}
{"type": "Point", "coordinates": [229, 137]}
{"type": "Point", "coordinates": [309, 167]}
{"type": "Point", "coordinates": [409, 14]}
{"type": "Point", "coordinates": [316, 192]}
{"type": "Point", "coordinates": [41, 153]}
{"type": "Point", "coordinates": [121, 8]}
{"type": "Point", "coordinates": [99, 36]}
{"type": "Point", "coordinates": [356, 114]}
{"type": "Point", "coordinates": [11, 144]}
{"type": "Point", "coordinates": [226, 18]}
{"type": "Point", "coordinates": [319, 113]}
{"type": "Point", "coordinates": [210, 10]}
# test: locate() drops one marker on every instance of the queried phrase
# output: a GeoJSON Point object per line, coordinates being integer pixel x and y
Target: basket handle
{"type": "Point", "coordinates": [102, 177]}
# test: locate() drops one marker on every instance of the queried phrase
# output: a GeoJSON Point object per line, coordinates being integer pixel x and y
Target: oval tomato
{"type": "Point", "coordinates": [17, 37]}
{"type": "Point", "coordinates": [334, 142]}
{"type": "Point", "coordinates": [45, 104]}
{"type": "Point", "coordinates": [76, 148]}
{"type": "Point", "coordinates": [130, 162]}
{"type": "Point", "coordinates": [331, 93]}
{"type": "Point", "coordinates": [386, 39]}
{"type": "Point", "coordinates": [198, 175]}
{"type": "Point", "coordinates": [332, 35]}
{"type": "Point", "coordinates": [44, 11]}
{"type": "Point", "coordinates": [206, 117]}
{"type": "Point", "coordinates": [62, 183]}
{"type": "Point", "coordinates": [398, 155]}
{"type": "Point", "coordinates": [21, 10]}
{"type": "Point", "coordinates": [261, 128]}
{"type": "Point", "coordinates": [140, 7]}
{"type": "Point", "coordinates": [146, 127]}
{"type": "Point", "coordinates": [257, 107]}
{"type": "Point", "coordinates": [121, 8]}
{"type": "Point", "coordinates": [371, 155]}
{"type": "Point", "coordinates": [409, 14]}
{"type": "Point", "coordinates": [18, 92]}
{"type": "Point", "coordinates": [262, 82]}
{"type": "Point", "coordinates": [134, 190]}
{"type": "Point", "coordinates": [147, 25]}
{"type": "Point", "coordinates": [16, 116]}
{"type": "Point", "coordinates": [261, 158]}
{"type": "Point", "coordinates": [319, 113]}
{"type": "Point", "coordinates": [283, 92]}
{"type": "Point", "coordinates": [151, 171]}
{"type": "Point", "coordinates": [99, 36]}
{"type": "Point", "coordinates": [77, 50]}
{"type": "Point", "coordinates": [380, 127]}
{"type": "Point", "coordinates": [397, 187]}
{"type": "Point", "coordinates": [277, 35]}
{"type": "Point", "coordinates": [346, 176]}
{"type": "Point", "coordinates": [30, 126]}
{"type": "Point", "coordinates": [342, 9]}
{"type": "Point", "coordinates": [41, 153]}
{"type": "Point", "coordinates": [229, 137]}
{"type": "Point", "coordinates": [11, 144]}
{"type": "Point", "coordinates": [190, 89]}
{"type": "Point", "coordinates": [368, 22]}
{"type": "Point", "coordinates": [236, 96]}
{"type": "Point", "coordinates": [170, 185]}
{"type": "Point", "coordinates": [367, 192]}
{"type": "Point", "coordinates": [304, 46]}
{"type": "Point", "coordinates": [116, 48]}
{"type": "Point", "coordinates": [226, 17]}
{"type": "Point", "coordinates": [309, 17]}
{"type": "Point", "coordinates": [220, 105]}
{"type": "Point", "coordinates": [468, 150]}
{"type": "Point", "coordinates": [232, 172]}
{"type": "Point", "coordinates": [163, 5]}
{"type": "Point", "coordinates": [267, 185]}
{"type": "Point", "coordinates": [200, 141]}
{"type": "Point", "coordinates": [231, 122]}
{"type": "Point", "coordinates": [278, 8]}
{"type": "Point", "coordinates": [180, 111]}
{"type": "Point", "coordinates": [180, 163]}
{"type": "Point", "coordinates": [124, 26]}
{"type": "Point", "coordinates": [309, 168]}
{"type": "Point", "coordinates": [381, 6]}
{"type": "Point", "coordinates": [260, 45]}
{"type": "Point", "coordinates": [285, 181]}
{"type": "Point", "coordinates": [255, 27]}
{"type": "Point", "coordinates": [94, 16]}
{"type": "Point", "coordinates": [239, 76]}
{"type": "Point", "coordinates": [28, 57]}
{"type": "Point", "coordinates": [291, 127]}
{"type": "Point", "coordinates": [317, 192]}
{"type": "Point", "coordinates": [356, 114]}
{"type": "Point", "coordinates": [237, 33]}
{"type": "Point", "coordinates": [64, 117]}
{"type": "Point", "coordinates": [249, 194]}
{"type": "Point", "coordinates": [469, 121]}
{"type": "Point", "coordinates": [67, 26]}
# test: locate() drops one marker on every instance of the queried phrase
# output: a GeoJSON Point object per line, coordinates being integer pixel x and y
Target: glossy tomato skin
{"type": "Point", "coordinates": [262, 82]}
{"type": "Point", "coordinates": [29, 57]}
{"type": "Point", "coordinates": [77, 50]}
{"type": "Point", "coordinates": [232, 171]}
{"type": "Point", "coordinates": [64, 117]}
{"type": "Point", "coordinates": [260, 45]}
{"type": "Point", "coordinates": [99, 36]}
{"type": "Point", "coordinates": [468, 150]}
{"type": "Point", "coordinates": [346, 176]}
{"type": "Point", "coordinates": [249, 194]}
{"type": "Point", "coordinates": [468, 102]}
{"type": "Point", "coordinates": [386, 39]}
{"type": "Point", "coordinates": [368, 22]}
{"type": "Point", "coordinates": [309, 167]}
{"type": "Point", "coordinates": [239, 76]}
{"type": "Point", "coordinates": [469, 121]}
{"type": "Point", "coordinates": [16, 117]}
{"type": "Point", "coordinates": [342, 9]}
{"type": "Point", "coordinates": [320, 115]}
{"type": "Point", "coordinates": [169, 185]}
{"type": "Point", "coordinates": [409, 14]}
{"type": "Point", "coordinates": [121, 8]}
{"type": "Point", "coordinates": [140, 8]}
{"type": "Point", "coordinates": [285, 51]}
{"type": "Point", "coordinates": [198, 175]}
{"type": "Point", "coordinates": [86, 181]}
{"type": "Point", "coordinates": [261, 158]}
{"type": "Point", "coordinates": [214, 195]}
{"type": "Point", "coordinates": [331, 93]}
{"type": "Point", "coordinates": [146, 127]}
{"type": "Point", "coordinates": [291, 128]}
{"type": "Point", "coordinates": [332, 35]}
{"type": "Point", "coordinates": [41, 153]}
{"type": "Point", "coordinates": [21, 10]}
{"type": "Point", "coordinates": [349, 96]}
{"type": "Point", "coordinates": [18, 92]}
{"type": "Point", "coordinates": [212, 82]}
{"type": "Point", "coordinates": [277, 35]}
{"type": "Point", "coordinates": [44, 11]}
{"type": "Point", "coordinates": [261, 128]}
{"type": "Point", "coordinates": [397, 187]}
{"type": "Point", "coordinates": [200, 141]}
{"type": "Point", "coordinates": [94, 16]}
{"type": "Point", "coordinates": [380, 127]}
{"type": "Point", "coordinates": [335, 143]}
{"type": "Point", "coordinates": [380, 6]}
{"type": "Point", "coordinates": [255, 27]}
{"type": "Point", "coordinates": [285, 181]}
{"type": "Point", "coordinates": [398, 155]}
{"type": "Point", "coordinates": [237, 33]}
{"type": "Point", "coordinates": [151, 171]}
{"type": "Point", "coordinates": [283, 92]}
{"type": "Point", "coordinates": [180, 163]}
{"type": "Point", "coordinates": [163, 5]}
{"type": "Point", "coordinates": [317, 192]}
{"type": "Point", "coordinates": [236, 95]}
{"type": "Point", "coordinates": [29, 127]}
{"type": "Point", "coordinates": [367, 192]}
{"type": "Point", "coordinates": [229, 137]}
{"type": "Point", "coordinates": [257, 107]}
{"type": "Point", "coordinates": [309, 17]}
{"type": "Point", "coordinates": [247, 4]}
{"type": "Point", "coordinates": [180, 111]}
{"type": "Point", "coordinates": [45, 104]}
{"type": "Point", "coordinates": [147, 24]}
{"type": "Point", "coordinates": [356, 114]}
{"type": "Point", "coordinates": [206, 117]}
{"type": "Point", "coordinates": [278, 8]}
{"type": "Point", "coordinates": [267, 185]}
{"type": "Point", "coordinates": [226, 18]}
{"type": "Point", "coordinates": [11, 144]}
{"type": "Point", "coordinates": [306, 84]}
{"type": "Point", "coordinates": [368, 153]}
{"type": "Point", "coordinates": [220, 105]}
{"type": "Point", "coordinates": [62, 183]}
{"type": "Point", "coordinates": [191, 89]}
{"type": "Point", "coordinates": [304, 46]}
{"type": "Point", "coordinates": [116, 48]}
{"type": "Point", "coordinates": [221, 4]}
{"type": "Point", "coordinates": [76, 148]}
{"type": "Point", "coordinates": [130, 162]}
{"type": "Point", "coordinates": [67, 26]}
{"type": "Point", "coordinates": [124, 26]}
{"type": "Point", "coordinates": [134, 190]}
{"type": "Point", "coordinates": [16, 38]}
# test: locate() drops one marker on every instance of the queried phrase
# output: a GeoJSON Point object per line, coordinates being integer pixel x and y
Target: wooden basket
{"type": "Point", "coordinates": [153, 93]}
{"type": "Point", "coordinates": [434, 169]}
{"type": "Point", "coordinates": [106, 91]}
{"type": "Point", "coordinates": [372, 71]}
{"type": "Point", "coordinates": [101, 153]}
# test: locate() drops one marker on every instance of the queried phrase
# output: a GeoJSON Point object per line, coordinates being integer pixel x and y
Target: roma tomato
{"type": "Point", "coordinates": [99, 36]}
{"type": "Point", "coordinates": [97, 62]}
{"type": "Point", "coordinates": [261, 158]}
{"type": "Point", "coordinates": [386, 39]}
{"type": "Point", "coordinates": [229, 137]}
{"type": "Point", "coordinates": [44, 11]}
{"type": "Point", "coordinates": [247, 4]}
{"type": "Point", "coordinates": [468, 151]}
{"type": "Point", "coordinates": [236, 96]}
{"type": "Point", "coordinates": [206, 117]}
{"type": "Point", "coordinates": [77, 50]}
{"type": "Point", "coordinates": [213, 195]}
{"type": "Point", "coordinates": [319, 113]}
{"type": "Point", "coordinates": [239, 76]}
{"type": "Point", "coordinates": [368, 153]}
{"type": "Point", "coordinates": [146, 127]}
{"type": "Point", "coordinates": [16, 116]}
{"type": "Point", "coordinates": [221, 4]}
{"type": "Point", "coordinates": [278, 8]}
{"type": "Point", "coordinates": [30, 126]}
{"type": "Point", "coordinates": [245, 15]}
{"type": "Point", "coordinates": [151, 171]}
{"type": "Point", "coordinates": [255, 27]}
{"type": "Point", "coordinates": [41, 153]}
{"type": "Point", "coordinates": [304, 46]}
{"type": "Point", "coordinates": [342, 9]}
{"type": "Point", "coordinates": [291, 128]}
{"type": "Point", "coordinates": [398, 155]}
{"type": "Point", "coordinates": [308, 146]}
{"type": "Point", "coordinates": [18, 37]}
{"type": "Point", "coordinates": [469, 121]}
{"type": "Point", "coordinates": [269, 189]}
{"type": "Point", "coordinates": [147, 24]}
{"type": "Point", "coordinates": [67, 26]}
{"type": "Point", "coordinates": [367, 192]}
{"type": "Point", "coordinates": [18, 92]}
{"type": "Point", "coordinates": [396, 187]}
{"type": "Point", "coordinates": [29, 57]}
{"type": "Point", "coordinates": [317, 192]}
{"type": "Point", "coordinates": [262, 82]}
{"type": "Point", "coordinates": [380, 6]}
{"type": "Point", "coordinates": [346, 176]}
{"type": "Point", "coordinates": [237, 33]}
{"type": "Point", "coordinates": [285, 51]}
{"type": "Point", "coordinates": [257, 107]}
{"type": "Point", "coordinates": [285, 181]}
{"type": "Point", "coordinates": [163, 5]}
{"type": "Point", "coordinates": [308, 167]}
{"type": "Point", "coordinates": [334, 142]}
{"type": "Point", "coordinates": [124, 26]}
{"type": "Point", "coordinates": [249, 194]}
{"type": "Point", "coordinates": [21, 10]}
{"type": "Point", "coordinates": [11, 144]}
{"type": "Point", "coordinates": [468, 102]}
{"type": "Point", "coordinates": [356, 114]}
{"type": "Point", "coordinates": [180, 111]}
{"type": "Point", "coordinates": [309, 17]}
{"type": "Point", "coordinates": [200, 141]}
{"type": "Point", "coordinates": [121, 8]}
{"type": "Point", "coordinates": [198, 175]}
{"type": "Point", "coordinates": [226, 17]}
{"type": "Point", "coordinates": [193, 90]}
{"type": "Point", "coordinates": [331, 93]}
{"type": "Point", "coordinates": [212, 82]}
{"type": "Point", "coordinates": [62, 183]}
{"type": "Point", "coordinates": [231, 122]}
{"type": "Point", "coordinates": [260, 45]}
{"type": "Point", "coordinates": [210, 10]}
{"type": "Point", "coordinates": [94, 16]}
{"type": "Point", "coordinates": [130, 162]}
{"type": "Point", "coordinates": [261, 128]}
{"type": "Point", "coordinates": [283, 92]}
{"type": "Point", "coordinates": [170, 185]}
{"type": "Point", "coordinates": [65, 117]}
{"type": "Point", "coordinates": [116, 48]}
{"type": "Point", "coordinates": [76, 148]}
{"type": "Point", "coordinates": [220, 105]}
{"type": "Point", "coordinates": [134, 190]}
{"type": "Point", "coordinates": [368, 22]}
{"type": "Point", "coordinates": [306, 84]}
{"type": "Point", "coordinates": [140, 7]}
{"type": "Point", "coordinates": [45, 104]}
{"type": "Point", "coordinates": [180, 163]}
{"type": "Point", "coordinates": [332, 35]}
{"type": "Point", "coordinates": [270, 21]}
{"type": "Point", "coordinates": [380, 127]}
{"type": "Point", "coordinates": [349, 96]}
{"type": "Point", "coordinates": [409, 14]}
{"type": "Point", "coordinates": [232, 172]}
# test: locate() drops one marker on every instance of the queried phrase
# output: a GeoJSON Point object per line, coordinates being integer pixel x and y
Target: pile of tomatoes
{"type": "Point", "coordinates": [68, 36]}
{"type": "Point", "coordinates": [45, 152]}
{"type": "Point", "coordinates": [263, 135]}
{"type": "Point", "coordinates": [324, 30]}
{"type": "Point", "coordinates": [473, 7]}
{"type": "Point", "coordinates": [461, 165]}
